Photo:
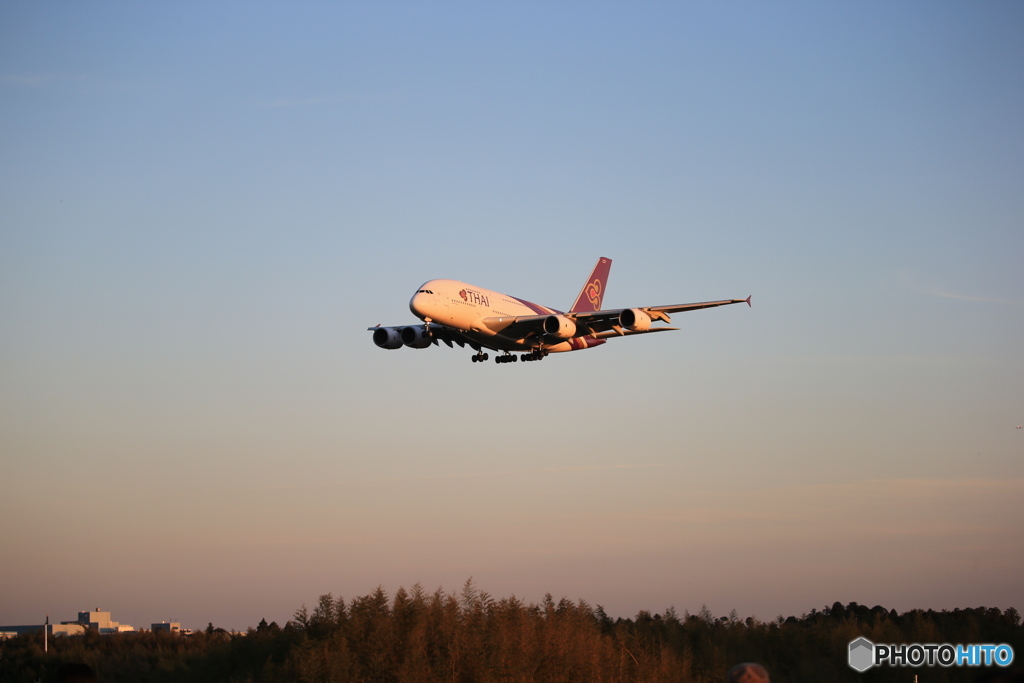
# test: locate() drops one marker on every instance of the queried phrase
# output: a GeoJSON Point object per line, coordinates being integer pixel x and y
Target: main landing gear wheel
{"type": "Point", "coordinates": [507, 358]}
{"type": "Point", "coordinates": [535, 355]}
{"type": "Point", "coordinates": [479, 357]}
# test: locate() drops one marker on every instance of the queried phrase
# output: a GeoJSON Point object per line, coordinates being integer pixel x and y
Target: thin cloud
{"type": "Point", "coordinates": [914, 490]}
{"type": "Point", "coordinates": [426, 477]}
{"type": "Point", "coordinates": [808, 502]}
{"type": "Point", "coordinates": [956, 514]}
{"type": "Point", "coordinates": [33, 80]}
{"type": "Point", "coordinates": [64, 82]}
{"type": "Point", "coordinates": [336, 99]}
{"type": "Point", "coordinates": [546, 470]}
{"type": "Point", "coordinates": [964, 297]}
{"type": "Point", "coordinates": [910, 280]}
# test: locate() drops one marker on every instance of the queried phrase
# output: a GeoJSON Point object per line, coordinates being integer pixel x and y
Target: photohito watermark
{"type": "Point", "coordinates": [864, 654]}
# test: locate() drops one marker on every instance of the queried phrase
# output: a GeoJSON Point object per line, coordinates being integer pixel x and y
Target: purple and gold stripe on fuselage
{"type": "Point", "coordinates": [537, 308]}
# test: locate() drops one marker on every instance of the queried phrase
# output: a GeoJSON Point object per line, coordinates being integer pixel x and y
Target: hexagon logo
{"type": "Point", "coordinates": [862, 654]}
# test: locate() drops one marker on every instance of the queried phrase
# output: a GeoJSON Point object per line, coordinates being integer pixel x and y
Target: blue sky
{"type": "Point", "coordinates": [204, 205]}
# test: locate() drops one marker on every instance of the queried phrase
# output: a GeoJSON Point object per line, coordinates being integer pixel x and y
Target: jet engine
{"type": "Point", "coordinates": [559, 326]}
{"type": "Point", "coordinates": [387, 338]}
{"type": "Point", "coordinates": [635, 320]}
{"type": "Point", "coordinates": [416, 337]}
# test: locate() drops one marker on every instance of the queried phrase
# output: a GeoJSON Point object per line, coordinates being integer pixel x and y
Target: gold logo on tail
{"type": "Point", "coordinates": [594, 293]}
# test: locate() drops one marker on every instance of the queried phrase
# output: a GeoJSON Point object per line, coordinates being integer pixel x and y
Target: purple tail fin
{"type": "Point", "coordinates": [592, 294]}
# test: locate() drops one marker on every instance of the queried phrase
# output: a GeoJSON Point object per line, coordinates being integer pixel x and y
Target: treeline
{"type": "Point", "coordinates": [470, 637]}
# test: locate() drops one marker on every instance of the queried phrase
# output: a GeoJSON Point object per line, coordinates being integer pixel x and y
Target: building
{"type": "Point", "coordinates": [71, 629]}
{"type": "Point", "coordinates": [93, 621]}
{"type": "Point", "coordinates": [166, 627]}
{"type": "Point", "coordinates": [100, 622]}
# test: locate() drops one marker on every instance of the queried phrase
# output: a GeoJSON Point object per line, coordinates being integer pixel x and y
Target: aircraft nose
{"type": "Point", "coordinates": [416, 304]}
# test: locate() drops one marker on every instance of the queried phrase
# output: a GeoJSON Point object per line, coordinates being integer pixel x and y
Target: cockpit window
{"type": "Point", "coordinates": [424, 291]}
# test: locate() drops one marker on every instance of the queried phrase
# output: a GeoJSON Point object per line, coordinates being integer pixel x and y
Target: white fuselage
{"type": "Point", "coordinates": [465, 307]}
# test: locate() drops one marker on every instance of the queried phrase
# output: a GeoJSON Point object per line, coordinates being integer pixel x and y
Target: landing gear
{"type": "Point", "coordinates": [506, 357]}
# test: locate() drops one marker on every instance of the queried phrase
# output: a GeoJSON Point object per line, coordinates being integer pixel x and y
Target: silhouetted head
{"type": "Point", "coordinates": [73, 672]}
{"type": "Point", "coordinates": [748, 673]}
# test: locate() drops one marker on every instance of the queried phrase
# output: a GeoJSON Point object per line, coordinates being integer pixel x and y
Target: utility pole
{"type": "Point", "coordinates": [46, 627]}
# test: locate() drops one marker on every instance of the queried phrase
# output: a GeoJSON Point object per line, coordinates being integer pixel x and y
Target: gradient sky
{"type": "Point", "coordinates": [204, 204]}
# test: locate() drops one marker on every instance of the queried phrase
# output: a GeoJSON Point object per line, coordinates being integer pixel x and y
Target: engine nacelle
{"type": "Point", "coordinates": [559, 326]}
{"type": "Point", "coordinates": [635, 320]}
{"type": "Point", "coordinates": [416, 337]}
{"type": "Point", "coordinates": [387, 338]}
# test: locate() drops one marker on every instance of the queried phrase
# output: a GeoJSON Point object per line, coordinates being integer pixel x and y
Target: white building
{"type": "Point", "coordinates": [87, 621]}
{"type": "Point", "coordinates": [100, 622]}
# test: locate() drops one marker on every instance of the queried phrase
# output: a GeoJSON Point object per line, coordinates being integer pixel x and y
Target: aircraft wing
{"type": "Point", "coordinates": [392, 336]}
{"type": "Point", "coordinates": [608, 320]}
{"type": "Point", "coordinates": [600, 324]}
{"type": "Point", "coordinates": [517, 327]}
{"type": "Point", "coordinates": [448, 335]}
{"type": "Point", "coordinates": [626, 333]}
{"type": "Point", "coordinates": [680, 308]}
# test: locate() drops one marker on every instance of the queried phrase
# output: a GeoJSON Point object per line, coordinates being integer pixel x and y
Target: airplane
{"type": "Point", "coordinates": [455, 312]}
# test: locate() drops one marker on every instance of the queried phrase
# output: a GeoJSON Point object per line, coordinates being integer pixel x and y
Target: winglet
{"type": "Point", "coordinates": [748, 300]}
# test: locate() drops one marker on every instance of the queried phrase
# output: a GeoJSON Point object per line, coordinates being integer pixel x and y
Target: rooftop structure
{"type": "Point", "coordinates": [166, 627]}
{"type": "Point", "coordinates": [97, 620]}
